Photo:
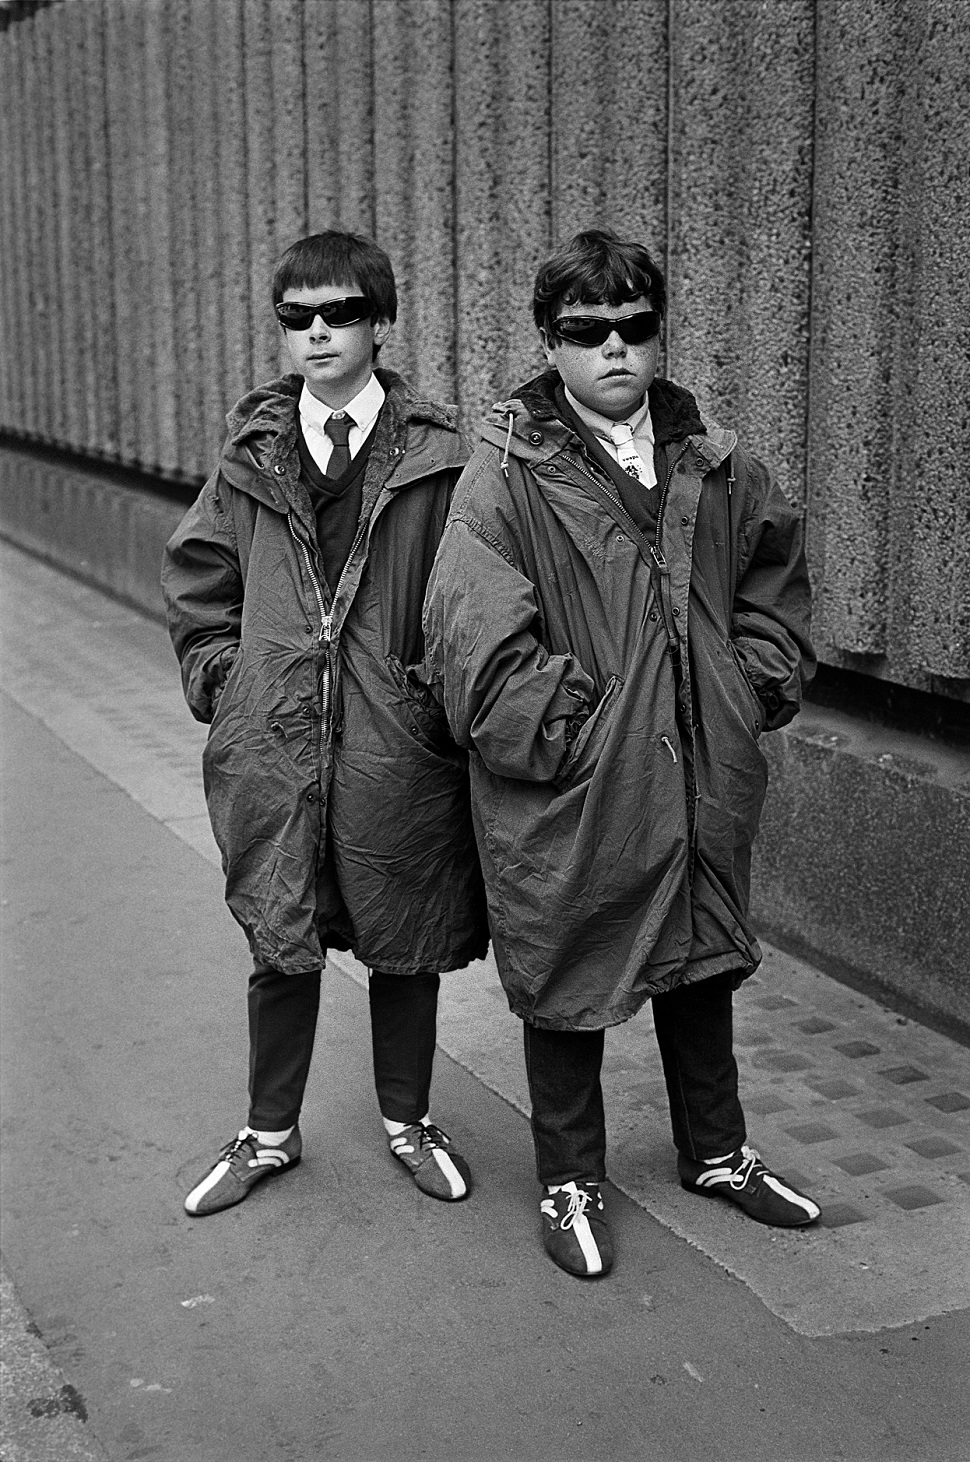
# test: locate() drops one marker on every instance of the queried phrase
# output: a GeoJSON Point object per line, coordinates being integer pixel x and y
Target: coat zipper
{"type": "Point", "coordinates": [656, 552]}
{"type": "Point", "coordinates": [663, 568]}
{"type": "Point", "coordinates": [324, 638]}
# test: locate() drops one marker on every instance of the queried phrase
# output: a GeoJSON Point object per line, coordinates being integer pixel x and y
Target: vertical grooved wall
{"type": "Point", "coordinates": [800, 168]}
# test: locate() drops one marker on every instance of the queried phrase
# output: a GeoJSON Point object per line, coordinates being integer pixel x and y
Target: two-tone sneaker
{"type": "Point", "coordinates": [743, 1178]}
{"type": "Point", "coordinates": [574, 1229]}
{"type": "Point", "coordinates": [242, 1163]}
{"type": "Point", "coordinates": [433, 1163]}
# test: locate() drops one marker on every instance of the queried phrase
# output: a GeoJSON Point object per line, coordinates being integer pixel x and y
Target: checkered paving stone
{"type": "Point", "coordinates": [889, 1132]}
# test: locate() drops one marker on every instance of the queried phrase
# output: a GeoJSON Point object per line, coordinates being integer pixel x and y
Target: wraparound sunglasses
{"type": "Point", "coordinates": [295, 315]}
{"type": "Point", "coordinates": [592, 330]}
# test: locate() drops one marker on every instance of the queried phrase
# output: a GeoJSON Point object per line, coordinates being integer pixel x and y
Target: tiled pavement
{"type": "Point", "coordinates": [867, 1111]}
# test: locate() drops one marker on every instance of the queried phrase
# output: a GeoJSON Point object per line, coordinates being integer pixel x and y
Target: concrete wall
{"type": "Point", "coordinates": [801, 167]}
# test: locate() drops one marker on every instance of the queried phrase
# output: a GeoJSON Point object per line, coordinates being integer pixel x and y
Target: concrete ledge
{"type": "Point", "coordinates": [863, 863]}
{"type": "Point", "coordinates": [102, 532]}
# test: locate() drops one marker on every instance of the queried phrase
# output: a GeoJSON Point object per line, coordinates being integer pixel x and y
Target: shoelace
{"type": "Point", "coordinates": [743, 1173]}
{"type": "Point", "coordinates": [429, 1136]}
{"type": "Point", "coordinates": [578, 1204]}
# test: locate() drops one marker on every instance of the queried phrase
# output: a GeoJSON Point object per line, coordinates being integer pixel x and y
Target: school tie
{"type": "Point", "coordinates": [337, 427]}
{"type": "Point", "coordinates": [627, 455]}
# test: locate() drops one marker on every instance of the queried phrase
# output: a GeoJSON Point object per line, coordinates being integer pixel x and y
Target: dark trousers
{"type": "Point", "coordinates": [695, 1034]}
{"type": "Point", "coordinates": [283, 1013]}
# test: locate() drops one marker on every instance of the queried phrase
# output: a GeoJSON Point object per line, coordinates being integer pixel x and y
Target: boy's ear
{"type": "Point", "coordinates": [549, 344]}
{"type": "Point", "coordinates": [382, 328]}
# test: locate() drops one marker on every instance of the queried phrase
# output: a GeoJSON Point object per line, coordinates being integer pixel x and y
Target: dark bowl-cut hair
{"type": "Point", "coordinates": [335, 257]}
{"type": "Point", "coordinates": [599, 267]}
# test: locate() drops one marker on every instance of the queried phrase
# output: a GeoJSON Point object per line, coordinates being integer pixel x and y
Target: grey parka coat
{"type": "Point", "coordinates": [336, 794]}
{"type": "Point", "coordinates": [616, 860]}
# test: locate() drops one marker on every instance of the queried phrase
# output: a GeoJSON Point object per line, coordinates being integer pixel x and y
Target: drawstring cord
{"type": "Point", "coordinates": [508, 442]}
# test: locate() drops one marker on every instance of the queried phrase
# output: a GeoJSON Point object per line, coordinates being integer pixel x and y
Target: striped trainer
{"type": "Point", "coordinates": [431, 1160]}
{"type": "Point", "coordinates": [743, 1178]}
{"type": "Point", "coordinates": [574, 1229]}
{"type": "Point", "coordinates": [241, 1164]}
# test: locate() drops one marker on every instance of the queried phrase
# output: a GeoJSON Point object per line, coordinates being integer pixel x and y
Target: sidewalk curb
{"type": "Point", "coordinates": [44, 1416]}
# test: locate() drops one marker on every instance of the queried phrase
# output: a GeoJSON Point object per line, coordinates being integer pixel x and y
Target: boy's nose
{"type": "Point", "coordinates": [614, 344]}
{"type": "Point", "coordinates": [319, 330]}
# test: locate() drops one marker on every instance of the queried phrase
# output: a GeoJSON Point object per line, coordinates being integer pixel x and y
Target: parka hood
{"type": "Point", "coordinates": [528, 424]}
{"type": "Point", "coordinates": [269, 408]}
{"type": "Point", "coordinates": [260, 454]}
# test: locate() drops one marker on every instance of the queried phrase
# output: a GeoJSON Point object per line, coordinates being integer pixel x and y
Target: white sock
{"type": "Point", "coordinates": [709, 1161]}
{"type": "Point", "coordinates": [270, 1139]}
{"type": "Point", "coordinates": [394, 1129]}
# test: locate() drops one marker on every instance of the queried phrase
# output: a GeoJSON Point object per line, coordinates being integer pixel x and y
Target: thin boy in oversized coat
{"type": "Point", "coordinates": [618, 609]}
{"type": "Point", "coordinates": [339, 801]}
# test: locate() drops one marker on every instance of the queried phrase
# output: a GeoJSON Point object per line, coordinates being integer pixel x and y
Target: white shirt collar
{"type": "Point", "coordinates": [639, 420]}
{"type": "Point", "coordinates": [363, 409]}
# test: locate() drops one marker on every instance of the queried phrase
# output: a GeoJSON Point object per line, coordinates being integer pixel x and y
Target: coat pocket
{"type": "Point", "coordinates": [421, 705]}
{"type": "Point", "coordinates": [760, 715]}
{"type": "Point", "coordinates": [581, 758]}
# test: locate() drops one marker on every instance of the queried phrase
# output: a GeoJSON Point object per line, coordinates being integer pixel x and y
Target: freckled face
{"type": "Point", "coordinates": [611, 378]}
{"type": "Point", "coordinates": [335, 360]}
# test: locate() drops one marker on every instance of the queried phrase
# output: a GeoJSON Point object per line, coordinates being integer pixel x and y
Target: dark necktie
{"type": "Point", "coordinates": [337, 428]}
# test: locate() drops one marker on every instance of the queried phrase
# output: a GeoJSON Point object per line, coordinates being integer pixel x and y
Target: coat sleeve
{"type": "Point", "coordinates": [503, 693]}
{"type": "Point", "coordinates": [203, 589]}
{"type": "Point", "coordinates": [771, 619]}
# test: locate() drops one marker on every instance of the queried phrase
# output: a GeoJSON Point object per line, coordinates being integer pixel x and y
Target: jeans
{"type": "Point", "coordinates": [283, 1013]}
{"type": "Point", "coordinates": [695, 1034]}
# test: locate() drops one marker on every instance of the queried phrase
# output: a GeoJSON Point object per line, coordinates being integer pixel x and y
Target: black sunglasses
{"type": "Point", "coordinates": [295, 315]}
{"type": "Point", "coordinates": [591, 330]}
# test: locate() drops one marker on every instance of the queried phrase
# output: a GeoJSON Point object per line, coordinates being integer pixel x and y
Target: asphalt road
{"type": "Point", "coordinates": [340, 1314]}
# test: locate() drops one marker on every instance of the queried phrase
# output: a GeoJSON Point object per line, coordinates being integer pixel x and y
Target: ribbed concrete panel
{"type": "Point", "coordinates": [740, 207]}
{"type": "Point", "coordinates": [210, 259]}
{"type": "Point", "coordinates": [863, 56]}
{"type": "Point", "coordinates": [609, 119]}
{"type": "Point", "coordinates": [160, 447]}
{"type": "Point", "coordinates": [67, 341]}
{"type": "Point", "coordinates": [339, 113]}
{"type": "Point", "coordinates": [502, 190]}
{"type": "Point", "coordinates": [130, 278]}
{"type": "Point", "coordinates": [44, 233]}
{"type": "Point", "coordinates": [936, 206]}
{"type": "Point", "coordinates": [189, 149]}
{"type": "Point", "coordinates": [13, 410]}
{"type": "Point", "coordinates": [289, 149]}
{"type": "Point", "coordinates": [231, 204]}
{"type": "Point", "coordinates": [258, 38]}
{"type": "Point", "coordinates": [414, 185]}
{"type": "Point", "coordinates": [78, 186]}
{"type": "Point", "coordinates": [100, 271]}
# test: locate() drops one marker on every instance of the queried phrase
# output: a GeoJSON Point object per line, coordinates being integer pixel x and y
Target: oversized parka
{"type": "Point", "coordinates": [337, 797]}
{"type": "Point", "coordinates": [611, 691]}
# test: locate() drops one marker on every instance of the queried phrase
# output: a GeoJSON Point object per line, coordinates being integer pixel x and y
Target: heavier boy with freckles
{"type": "Point", "coordinates": [339, 801]}
{"type": "Point", "coordinates": [618, 610]}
